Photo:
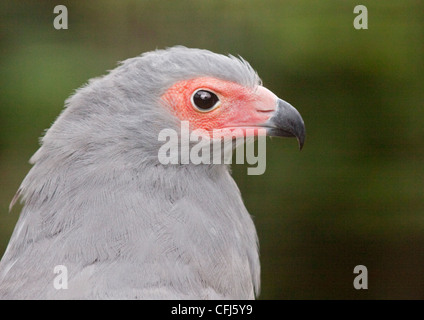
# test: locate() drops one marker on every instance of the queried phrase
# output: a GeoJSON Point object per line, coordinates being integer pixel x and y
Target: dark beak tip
{"type": "Point", "coordinates": [301, 139]}
{"type": "Point", "coordinates": [301, 142]}
{"type": "Point", "coordinates": [287, 122]}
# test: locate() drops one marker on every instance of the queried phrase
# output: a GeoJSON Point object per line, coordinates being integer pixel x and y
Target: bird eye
{"type": "Point", "coordinates": [204, 100]}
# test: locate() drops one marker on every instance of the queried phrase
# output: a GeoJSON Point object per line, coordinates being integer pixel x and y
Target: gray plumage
{"type": "Point", "coordinates": [98, 201]}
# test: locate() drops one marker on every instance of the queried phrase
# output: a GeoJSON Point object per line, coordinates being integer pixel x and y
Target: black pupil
{"type": "Point", "coordinates": [205, 100]}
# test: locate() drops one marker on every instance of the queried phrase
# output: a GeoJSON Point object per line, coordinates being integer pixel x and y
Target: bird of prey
{"type": "Point", "coordinates": [99, 203]}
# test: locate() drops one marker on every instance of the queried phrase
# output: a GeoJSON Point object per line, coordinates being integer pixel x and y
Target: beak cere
{"type": "Point", "coordinates": [286, 122]}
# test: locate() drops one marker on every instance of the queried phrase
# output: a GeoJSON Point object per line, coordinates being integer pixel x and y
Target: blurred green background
{"type": "Point", "coordinates": [353, 196]}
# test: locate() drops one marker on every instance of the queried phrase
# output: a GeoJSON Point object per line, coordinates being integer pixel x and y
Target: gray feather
{"type": "Point", "coordinates": [98, 201]}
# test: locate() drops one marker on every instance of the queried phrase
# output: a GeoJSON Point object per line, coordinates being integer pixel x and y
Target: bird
{"type": "Point", "coordinates": [99, 203]}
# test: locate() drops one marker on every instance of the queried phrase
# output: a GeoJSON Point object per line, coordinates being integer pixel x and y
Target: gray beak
{"type": "Point", "coordinates": [286, 122]}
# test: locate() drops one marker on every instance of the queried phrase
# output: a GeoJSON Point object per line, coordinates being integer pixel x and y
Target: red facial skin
{"type": "Point", "coordinates": [240, 107]}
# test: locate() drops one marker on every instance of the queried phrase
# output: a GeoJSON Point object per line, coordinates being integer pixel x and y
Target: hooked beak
{"type": "Point", "coordinates": [286, 122]}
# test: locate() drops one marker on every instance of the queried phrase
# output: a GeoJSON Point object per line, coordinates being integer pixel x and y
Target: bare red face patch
{"type": "Point", "coordinates": [231, 104]}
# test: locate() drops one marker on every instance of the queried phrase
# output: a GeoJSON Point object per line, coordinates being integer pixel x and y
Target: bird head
{"type": "Point", "coordinates": [217, 93]}
{"type": "Point", "coordinates": [116, 119]}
